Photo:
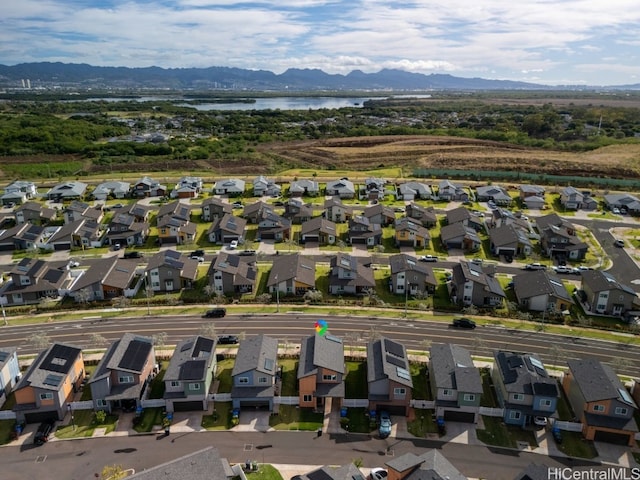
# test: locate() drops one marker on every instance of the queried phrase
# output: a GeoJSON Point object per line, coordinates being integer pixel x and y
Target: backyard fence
{"type": "Point", "coordinates": [7, 415]}
{"type": "Point", "coordinates": [568, 426]}
{"type": "Point", "coordinates": [491, 412]}
{"type": "Point", "coordinates": [153, 403]}
{"type": "Point", "coordinates": [221, 397]}
{"type": "Point", "coordinates": [424, 404]}
{"type": "Point", "coordinates": [286, 400]}
{"type": "Point", "coordinates": [355, 403]}
{"type": "Point", "coordinates": [86, 405]}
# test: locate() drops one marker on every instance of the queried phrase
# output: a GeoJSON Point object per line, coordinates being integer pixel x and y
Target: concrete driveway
{"type": "Point", "coordinates": [253, 421]}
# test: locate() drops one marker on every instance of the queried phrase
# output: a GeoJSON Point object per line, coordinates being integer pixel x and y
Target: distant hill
{"type": "Point", "coordinates": [46, 74]}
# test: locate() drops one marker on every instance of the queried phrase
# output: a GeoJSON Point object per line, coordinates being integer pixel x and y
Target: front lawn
{"type": "Point", "coordinates": [223, 375]}
{"type": "Point", "coordinates": [356, 380]}
{"type": "Point", "coordinates": [574, 445]}
{"type": "Point", "coordinates": [220, 419]}
{"type": "Point", "coordinates": [499, 434]}
{"type": "Point", "coordinates": [422, 424]}
{"type": "Point", "coordinates": [84, 424]}
{"type": "Point", "coordinates": [292, 417]}
{"type": "Point", "coordinates": [265, 472]}
{"type": "Point", "coordinates": [150, 417]}
{"type": "Point", "coordinates": [358, 420]}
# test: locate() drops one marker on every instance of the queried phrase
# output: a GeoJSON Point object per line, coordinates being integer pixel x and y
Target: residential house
{"type": "Point", "coordinates": [105, 279]}
{"type": "Point", "coordinates": [530, 191]}
{"type": "Point", "coordinates": [601, 293]}
{"type": "Point", "coordinates": [380, 214]}
{"type": "Point", "coordinates": [342, 188]}
{"type": "Point", "coordinates": [571, 198]}
{"type": "Point", "coordinates": [410, 191]}
{"type": "Point", "coordinates": [272, 226]}
{"type": "Point", "coordinates": [171, 271]}
{"type": "Point", "coordinates": [523, 387]}
{"type": "Point", "coordinates": [32, 280]}
{"type": "Point", "coordinates": [471, 285]}
{"type": "Point", "coordinates": [18, 192]}
{"type": "Point", "coordinates": [336, 211]}
{"type": "Point", "coordinates": [349, 276]}
{"type": "Point", "coordinates": [226, 229]}
{"type": "Point", "coordinates": [297, 212]}
{"type": "Point", "coordinates": [624, 202]}
{"type": "Point", "coordinates": [449, 192]}
{"type": "Point", "coordinates": [465, 217]}
{"type": "Point", "coordinates": [33, 212]}
{"type": "Point", "coordinates": [534, 202]}
{"type": "Point", "coordinates": [71, 190]}
{"type": "Point", "coordinates": [189, 378]}
{"type": "Point", "coordinates": [123, 374]}
{"type": "Point", "coordinates": [139, 211]}
{"type": "Point", "coordinates": [601, 402]}
{"type": "Point", "coordinates": [304, 188]}
{"type": "Point", "coordinates": [49, 384]}
{"type": "Point", "coordinates": [539, 291]}
{"type": "Point", "coordinates": [318, 231]}
{"type": "Point", "coordinates": [174, 224]}
{"type": "Point", "coordinates": [148, 187]}
{"type": "Point", "coordinates": [125, 230]}
{"type": "Point", "coordinates": [457, 236]}
{"type": "Point", "coordinates": [410, 277]}
{"type": "Point", "coordinates": [111, 189]}
{"type": "Point", "coordinates": [254, 212]}
{"type": "Point", "coordinates": [455, 383]}
{"type": "Point", "coordinates": [214, 208]}
{"type": "Point", "coordinates": [321, 371]}
{"type": "Point", "coordinates": [9, 372]}
{"type": "Point", "coordinates": [362, 231]}
{"type": "Point", "coordinates": [204, 464]}
{"type": "Point", "coordinates": [253, 377]}
{"type": "Point", "coordinates": [388, 379]}
{"type": "Point", "coordinates": [83, 233]}
{"type": "Point", "coordinates": [187, 187]}
{"type": "Point", "coordinates": [555, 220]}
{"type": "Point", "coordinates": [232, 274]}
{"type": "Point", "coordinates": [562, 243]}
{"type": "Point", "coordinates": [495, 193]}
{"type": "Point", "coordinates": [232, 187]}
{"type": "Point", "coordinates": [23, 236]}
{"type": "Point", "coordinates": [78, 210]}
{"type": "Point", "coordinates": [425, 215]}
{"type": "Point", "coordinates": [430, 465]}
{"type": "Point", "coordinates": [510, 241]}
{"type": "Point", "coordinates": [334, 472]}
{"type": "Point", "coordinates": [409, 232]}
{"type": "Point", "coordinates": [265, 186]}
{"type": "Point", "coordinates": [373, 189]}
{"type": "Point", "coordinates": [292, 275]}
{"type": "Point", "coordinates": [501, 217]}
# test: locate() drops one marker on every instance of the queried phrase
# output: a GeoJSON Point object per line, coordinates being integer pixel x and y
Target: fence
{"type": "Point", "coordinates": [286, 400]}
{"type": "Point", "coordinates": [355, 402]}
{"type": "Point", "coordinates": [153, 403]}
{"type": "Point", "coordinates": [568, 426]}
{"type": "Point", "coordinates": [424, 404]}
{"type": "Point", "coordinates": [7, 415]}
{"type": "Point", "coordinates": [86, 405]}
{"type": "Point", "coordinates": [221, 397]}
{"type": "Point", "coordinates": [491, 412]}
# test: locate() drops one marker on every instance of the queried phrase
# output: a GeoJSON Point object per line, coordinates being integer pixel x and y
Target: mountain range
{"type": "Point", "coordinates": [49, 75]}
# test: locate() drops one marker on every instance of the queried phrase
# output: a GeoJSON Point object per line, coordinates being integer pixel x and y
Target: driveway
{"type": "Point", "coordinates": [253, 421]}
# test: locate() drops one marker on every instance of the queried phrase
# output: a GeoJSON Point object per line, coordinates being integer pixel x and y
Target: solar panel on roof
{"type": "Point", "coordinates": [3, 356]}
{"type": "Point", "coordinates": [319, 475]}
{"type": "Point", "coordinates": [52, 380]}
{"type": "Point", "coordinates": [536, 363]}
{"type": "Point", "coordinates": [268, 364]}
{"type": "Point", "coordinates": [172, 254]}
{"type": "Point", "coordinates": [393, 348]}
{"type": "Point", "coordinates": [333, 338]}
{"type": "Point", "coordinates": [135, 356]}
{"type": "Point", "coordinates": [403, 373]}
{"type": "Point", "coordinates": [53, 362]}
{"type": "Point", "coordinates": [203, 345]}
{"type": "Point", "coordinates": [395, 361]}
{"type": "Point", "coordinates": [192, 370]}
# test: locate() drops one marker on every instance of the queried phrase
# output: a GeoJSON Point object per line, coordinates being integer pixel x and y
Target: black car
{"type": "Point", "coordinates": [246, 253]}
{"type": "Point", "coordinates": [463, 323]}
{"type": "Point", "coordinates": [215, 313]}
{"type": "Point", "coordinates": [43, 432]}
{"type": "Point", "coordinates": [227, 339]}
{"type": "Point", "coordinates": [133, 255]}
{"type": "Point", "coordinates": [196, 254]}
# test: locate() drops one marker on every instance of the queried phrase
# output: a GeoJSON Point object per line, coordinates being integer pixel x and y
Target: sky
{"type": "Point", "coordinates": [552, 42]}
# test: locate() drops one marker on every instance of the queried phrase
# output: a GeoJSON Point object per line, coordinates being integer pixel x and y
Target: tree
{"type": "Point", "coordinates": [113, 472]}
{"type": "Point", "coordinates": [425, 343]}
{"type": "Point", "coordinates": [313, 296]}
{"type": "Point", "coordinates": [39, 340]}
{"type": "Point", "coordinates": [84, 295]}
{"type": "Point", "coordinates": [121, 302]}
{"type": "Point", "coordinates": [619, 364]}
{"type": "Point", "coordinates": [208, 330]}
{"type": "Point", "coordinates": [96, 339]}
{"type": "Point", "coordinates": [160, 339]}
{"type": "Point", "coordinates": [470, 310]}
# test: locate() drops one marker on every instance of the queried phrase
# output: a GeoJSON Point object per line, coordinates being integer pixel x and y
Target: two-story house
{"type": "Point", "coordinates": [336, 211]}
{"type": "Point", "coordinates": [214, 208]}
{"type": "Point", "coordinates": [554, 220]}
{"type": "Point", "coordinates": [226, 229]}
{"type": "Point", "coordinates": [297, 211]}
{"type": "Point", "coordinates": [34, 212]}
{"type": "Point", "coordinates": [232, 187]}
{"type": "Point", "coordinates": [272, 226]}
{"type": "Point", "coordinates": [411, 233]}
{"type": "Point", "coordinates": [254, 373]}
{"type": "Point", "coordinates": [601, 293]}
{"type": "Point", "coordinates": [174, 223]}
{"type": "Point", "coordinates": [342, 188]}
{"type": "Point", "coordinates": [523, 387]}
{"type": "Point", "coordinates": [372, 189]}
{"type": "Point", "coordinates": [540, 291]}
{"type": "Point", "coordinates": [124, 372]}
{"type": "Point", "coordinates": [82, 234]}
{"type": "Point", "coordinates": [410, 277]}
{"type": "Point", "coordinates": [104, 279]}
{"type": "Point", "coordinates": [321, 370]}
{"type": "Point", "coordinates": [562, 244]}
{"type": "Point", "coordinates": [31, 280]}
{"type": "Point", "coordinates": [529, 191]}
{"type": "Point", "coordinates": [380, 214]}
{"type": "Point", "coordinates": [362, 231]}
{"type": "Point", "coordinates": [292, 275]}
{"type": "Point", "coordinates": [148, 187]}
{"type": "Point", "coordinates": [187, 187]}
{"type": "Point", "coordinates": [18, 192]}
{"type": "Point", "coordinates": [455, 383]}
{"type": "Point", "coordinates": [304, 188]}
{"type": "Point", "coordinates": [448, 192]}
{"type": "Point", "coordinates": [471, 285]}
{"type": "Point", "coordinates": [509, 241]}
{"type": "Point", "coordinates": [49, 384]}
{"type": "Point", "coordinates": [9, 372]}
{"type": "Point", "coordinates": [601, 402]}
{"type": "Point", "coordinates": [189, 377]}
{"type": "Point", "coordinates": [232, 274]}
{"type": "Point", "coordinates": [125, 230]}
{"type": "Point", "coordinates": [25, 236]}
{"type": "Point", "coordinates": [78, 210]}
{"type": "Point", "coordinates": [318, 231]}
{"type": "Point", "coordinates": [265, 186]}
{"type": "Point", "coordinates": [465, 217]}
{"type": "Point", "coordinates": [171, 271]}
{"type": "Point", "coordinates": [349, 276]}
{"type": "Point", "coordinates": [425, 215]}
{"type": "Point", "coordinates": [571, 198]}
{"type": "Point", "coordinates": [388, 379]}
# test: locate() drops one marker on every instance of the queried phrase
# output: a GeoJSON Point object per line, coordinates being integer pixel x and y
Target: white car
{"type": "Point", "coordinates": [428, 258]}
{"type": "Point", "coordinates": [540, 421]}
{"type": "Point", "coordinates": [615, 211]}
{"type": "Point", "coordinates": [378, 474]}
{"type": "Point", "coordinates": [233, 245]}
{"type": "Point", "coordinates": [563, 269]}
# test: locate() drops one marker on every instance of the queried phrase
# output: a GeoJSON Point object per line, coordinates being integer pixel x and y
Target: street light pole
{"type": "Point", "coordinates": [406, 293]}
{"type": "Point", "coordinates": [148, 292]}
{"type": "Point", "coordinates": [277, 295]}
{"type": "Point", "coordinates": [73, 423]}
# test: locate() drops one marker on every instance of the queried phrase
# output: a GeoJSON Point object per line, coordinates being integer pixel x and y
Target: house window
{"type": "Point", "coordinates": [46, 396]}
{"type": "Point", "coordinates": [446, 393]}
{"type": "Point", "coordinates": [194, 386]}
{"type": "Point", "coordinates": [169, 273]}
{"type": "Point", "coordinates": [262, 380]}
{"type": "Point", "coordinates": [244, 380]}
{"type": "Point", "coordinates": [545, 403]}
{"type": "Point", "coordinates": [125, 379]}
{"type": "Point", "coordinates": [154, 273]}
{"type": "Point", "coordinates": [598, 408]}
{"type": "Point", "coordinates": [175, 383]}
{"type": "Point", "coordinates": [101, 403]}
{"type": "Point", "coordinates": [399, 391]}
{"type": "Point", "coordinates": [514, 415]}
{"type": "Point", "coordinates": [518, 396]}
{"type": "Point", "coordinates": [469, 397]}
{"type": "Point", "coordinates": [621, 411]}
{"type": "Point", "coordinates": [329, 377]}
{"type": "Point", "coordinates": [307, 398]}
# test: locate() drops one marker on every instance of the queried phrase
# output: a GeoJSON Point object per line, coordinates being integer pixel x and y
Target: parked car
{"type": "Point", "coordinates": [477, 261]}
{"type": "Point", "coordinates": [619, 243]}
{"type": "Point", "coordinates": [463, 322]}
{"type": "Point", "coordinates": [116, 246]}
{"type": "Point", "coordinates": [378, 473]}
{"type": "Point", "coordinates": [233, 245]}
{"type": "Point", "coordinates": [215, 313]}
{"type": "Point", "coordinates": [540, 421]}
{"type": "Point", "coordinates": [399, 209]}
{"type": "Point", "coordinates": [196, 254]}
{"type": "Point", "coordinates": [43, 432]}
{"type": "Point", "coordinates": [133, 255]}
{"type": "Point", "coordinates": [428, 258]}
{"type": "Point", "coordinates": [247, 253]}
{"type": "Point", "coordinates": [73, 263]}
{"type": "Point", "coordinates": [237, 205]}
{"type": "Point", "coordinates": [384, 429]}
{"type": "Point", "coordinates": [227, 340]}
{"type": "Point", "coordinates": [535, 266]}
{"type": "Point", "coordinates": [557, 434]}
{"type": "Point", "coordinates": [615, 211]}
{"type": "Point", "coordinates": [562, 269]}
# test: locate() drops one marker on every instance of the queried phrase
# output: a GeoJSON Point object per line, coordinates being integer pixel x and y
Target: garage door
{"type": "Point", "coordinates": [39, 417]}
{"type": "Point", "coordinates": [255, 404]}
{"type": "Point", "coordinates": [187, 406]}
{"type": "Point", "coordinates": [392, 409]}
{"type": "Point", "coordinates": [454, 416]}
{"type": "Point", "coordinates": [610, 437]}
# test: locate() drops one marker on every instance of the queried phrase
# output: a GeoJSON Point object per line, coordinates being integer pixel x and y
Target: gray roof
{"type": "Point", "coordinates": [553, 219]}
{"type": "Point", "coordinates": [599, 281]}
{"type": "Point", "coordinates": [320, 351]}
{"type": "Point", "coordinates": [106, 271]}
{"type": "Point", "coordinates": [597, 381]}
{"type": "Point", "coordinates": [454, 368]}
{"type": "Point", "coordinates": [471, 272]}
{"type": "Point", "coordinates": [508, 235]}
{"type": "Point", "coordinates": [68, 189]}
{"type": "Point", "coordinates": [407, 263]}
{"type": "Point", "coordinates": [204, 464]}
{"type": "Point", "coordinates": [388, 359]}
{"type": "Point", "coordinates": [525, 373]}
{"type": "Point", "coordinates": [125, 354]}
{"type": "Point", "coordinates": [319, 224]}
{"type": "Point", "coordinates": [538, 282]}
{"type": "Point", "coordinates": [431, 465]}
{"type": "Point", "coordinates": [334, 472]}
{"type": "Point", "coordinates": [406, 223]}
{"type": "Point", "coordinates": [458, 214]}
{"type": "Point", "coordinates": [6, 353]}
{"type": "Point", "coordinates": [191, 356]}
{"type": "Point", "coordinates": [256, 353]}
{"type": "Point", "coordinates": [290, 267]}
